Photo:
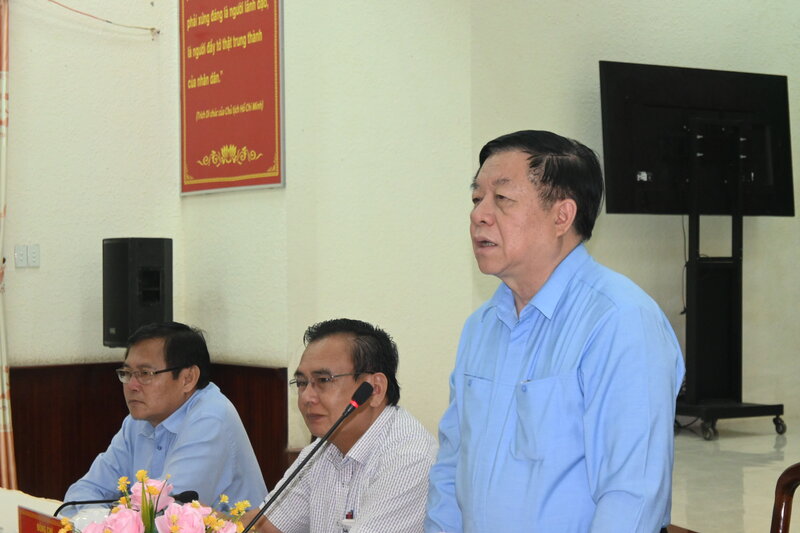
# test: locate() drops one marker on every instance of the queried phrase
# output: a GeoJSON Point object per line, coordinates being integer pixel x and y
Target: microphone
{"type": "Point", "coordinates": [186, 496]}
{"type": "Point", "coordinates": [361, 395]}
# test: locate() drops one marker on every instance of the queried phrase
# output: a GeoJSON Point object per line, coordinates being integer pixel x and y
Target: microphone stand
{"type": "Point", "coordinates": [365, 390]}
{"type": "Point", "coordinates": [183, 497]}
{"type": "Point", "coordinates": [87, 502]}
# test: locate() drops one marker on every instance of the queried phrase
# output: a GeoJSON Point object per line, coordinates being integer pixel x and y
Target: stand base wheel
{"type": "Point", "coordinates": [709, 430]}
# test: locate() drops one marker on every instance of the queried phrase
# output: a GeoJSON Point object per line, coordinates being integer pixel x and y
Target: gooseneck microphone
{"type": "Point", "coordinates": [186, 496]}
{"type": "Point", "coordinates": [361, 395]}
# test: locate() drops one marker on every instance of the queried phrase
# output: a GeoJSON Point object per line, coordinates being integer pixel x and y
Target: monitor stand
{"type": "Point", "coordinates": [713, 388]}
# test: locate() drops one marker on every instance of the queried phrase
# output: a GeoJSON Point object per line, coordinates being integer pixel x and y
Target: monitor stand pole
{"type": "Point", "coordinates": [713, 388]}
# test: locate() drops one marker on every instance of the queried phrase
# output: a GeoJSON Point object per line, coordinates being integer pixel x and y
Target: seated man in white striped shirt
{"type": "Point", "coordinates": [372, 475]}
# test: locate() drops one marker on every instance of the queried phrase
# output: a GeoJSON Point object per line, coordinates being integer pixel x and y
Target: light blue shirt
{"type": "Point", "coordinates": [203, 446]}
{"type": "Point", "coordinates": [561, 420]}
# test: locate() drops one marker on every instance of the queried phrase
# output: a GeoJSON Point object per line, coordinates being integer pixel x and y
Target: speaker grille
{"type": "Point", "coordinates": [137, 286]}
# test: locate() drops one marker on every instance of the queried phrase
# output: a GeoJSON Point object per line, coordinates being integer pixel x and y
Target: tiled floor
{"type": "Point", "coordinates": [727, 485]}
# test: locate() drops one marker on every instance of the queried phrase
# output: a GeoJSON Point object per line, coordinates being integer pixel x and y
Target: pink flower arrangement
{"type": "Point", "coordinates": [123, 521]}
{"type": "Point", "coordinates": [184, 517]}
{"type": "Point", "coordinates": [149, 508]}
{"type": "Point", "coordinates": [152, 487]}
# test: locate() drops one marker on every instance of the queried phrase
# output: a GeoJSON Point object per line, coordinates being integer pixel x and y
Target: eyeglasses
{"type": "Point", "coordinates": [145, 377]}
{"type": "Point", "coordinates": [321, 384]}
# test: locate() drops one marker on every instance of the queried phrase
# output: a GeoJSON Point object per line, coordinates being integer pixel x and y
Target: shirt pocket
{"type": "Point", "coordinates": [474, 412]}
{"type": "Point", "coordinates": [549, 419]}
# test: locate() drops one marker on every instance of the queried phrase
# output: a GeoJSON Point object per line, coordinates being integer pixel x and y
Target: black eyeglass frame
{"type": "Point", "coordinates": [150, 374]}
{"type": "Point", "coordinates": [313, 380]}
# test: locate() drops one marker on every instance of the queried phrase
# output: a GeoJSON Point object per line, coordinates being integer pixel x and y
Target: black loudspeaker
{"type": "Point", "coordinates": [718, 370]}
{"type": "Point", "coordinates": [137, 286]}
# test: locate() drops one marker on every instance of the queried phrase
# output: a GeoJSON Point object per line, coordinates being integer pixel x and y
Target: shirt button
{"type": "Point", "coordinates": [524, 389]}
{"type": "Point", "coordinates": [158, 448]}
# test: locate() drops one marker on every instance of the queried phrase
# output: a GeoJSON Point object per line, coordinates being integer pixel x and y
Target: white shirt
{"type": "Point", "coordinates": [382, 482]}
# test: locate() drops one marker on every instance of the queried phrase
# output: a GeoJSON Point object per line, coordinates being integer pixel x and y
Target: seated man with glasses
{"type": "Point", "coordinates": [180, 424]}
{"type": "Point", "coordinates": [372, 475]}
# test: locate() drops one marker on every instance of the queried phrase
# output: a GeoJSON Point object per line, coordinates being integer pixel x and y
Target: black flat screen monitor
{"type": "Point", "coordinates": [682, 140]}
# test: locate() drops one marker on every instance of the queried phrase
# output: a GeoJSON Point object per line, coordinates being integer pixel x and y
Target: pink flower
{"type": "Point", "coordinates": [229, 527]}
{"type": "Point", "coordinates": [123, 521]}
{"type": "Point", "coordinates": [181, 518]}
{"type": "Point", "coordinates": [156, 489]}
{"type": "Point", "coordinates": [200, 508]}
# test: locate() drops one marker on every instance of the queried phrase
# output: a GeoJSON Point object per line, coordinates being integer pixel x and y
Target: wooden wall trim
{"type": "Point", "coordinates": [64, 415]}
{"type": "Point", "coordinates": [261, 396]}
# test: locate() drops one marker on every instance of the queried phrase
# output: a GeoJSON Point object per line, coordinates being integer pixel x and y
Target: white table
{"type": "Point", "coordinates": [10, 499]}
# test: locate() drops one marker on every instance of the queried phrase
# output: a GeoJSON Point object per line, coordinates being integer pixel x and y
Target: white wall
{"type": "Point", "coordinates": [378, 94]}
{"type": "Point", "coordinates": [92, 153]}
{"type": "Point", "coordinates": [535, 65]}
{"type": "Point", "coordinates": [386, 105]}
{"type": "Point", "coordinates": [371, 224]}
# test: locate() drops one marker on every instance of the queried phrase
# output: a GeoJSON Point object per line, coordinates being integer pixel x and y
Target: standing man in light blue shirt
{"type": "Point", "coordinates": [563, 395]}
{"type": "Point", "coordinates": [180, 424]}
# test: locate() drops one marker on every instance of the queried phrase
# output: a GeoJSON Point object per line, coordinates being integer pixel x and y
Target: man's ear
{"type": "Point", "coordinates": [566, 210]}
{"type": "Point", "coordinates": [379, 385]}
{"type": "Point", "coordinates": [189, 377]}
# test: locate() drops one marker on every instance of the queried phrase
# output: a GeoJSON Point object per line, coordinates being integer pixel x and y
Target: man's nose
{"type": "Point", "coordinates": [133, 384]}
{"type": "Point", "coordinates": [308, 394]}
{"type": "Point", "coordinates": [482, 213]}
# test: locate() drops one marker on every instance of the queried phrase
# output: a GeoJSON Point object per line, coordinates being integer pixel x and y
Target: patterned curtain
{"type": "Point", "coordinates": [8, 468]}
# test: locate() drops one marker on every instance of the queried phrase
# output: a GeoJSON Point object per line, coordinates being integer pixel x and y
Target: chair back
{"type": "Point", "coordinates": [784, 493]}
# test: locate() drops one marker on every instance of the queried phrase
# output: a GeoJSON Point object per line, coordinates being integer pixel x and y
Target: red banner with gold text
{"type": "Point", "coordinates": [230, 94]}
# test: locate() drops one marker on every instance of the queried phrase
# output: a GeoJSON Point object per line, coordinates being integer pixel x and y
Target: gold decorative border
{"type": "Point", "coordinates": [229, 154]}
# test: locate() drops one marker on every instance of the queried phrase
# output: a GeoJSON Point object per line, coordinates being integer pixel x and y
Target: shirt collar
{"type": "Point", "coordinates": [546, 299]}
{"type": "Point", "coordinates": [173, 422]}
{"type": "Point", "coordinates": [366, 445]}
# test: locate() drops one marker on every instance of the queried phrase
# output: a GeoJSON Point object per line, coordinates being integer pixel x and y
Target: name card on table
{"type": "Point", "coordinates": [31, 521]}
